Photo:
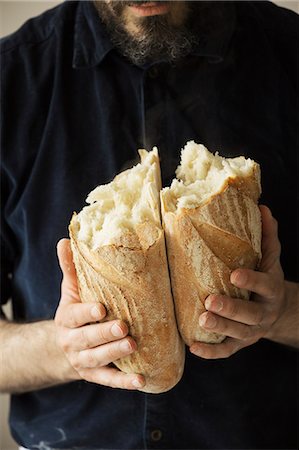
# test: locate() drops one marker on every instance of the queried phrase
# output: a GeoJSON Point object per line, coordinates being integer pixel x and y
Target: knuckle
{"type": "Point", "coordinates": [72, 317]}
{"type": "Point", "coordinates": [111, 379]}
{"type": "Point", "coordinates": [112, 352]}
{"type": "Point", "coordinates": [258, 316]}
{"type": "Point", "coordinates": [63, 341]}
{"type": "Point", "coordinates": [247, 333]}
{"type": "Point", "coordinates": [104, 332]}
{"type": "Point", "coordinates": [88, 358]}
{"type": "Point", "coordinates": [233, 308]}
{"type": "Point", "coordinates": [86, 374]}
{"type": "Point", "coordinates": [84, 339]}
{"type": "Point", "coordinates": [65, 345]}
{"type": "Point", "coordinates": [73, 359]}
{"type": "Point", "coordinates": [75, 362]}
{"type": "Point", "coordinates": [223, 326]}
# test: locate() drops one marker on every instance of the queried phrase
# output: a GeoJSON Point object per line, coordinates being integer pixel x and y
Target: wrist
{"type": "Point", "coordinates": [66, 372]}
{"type": "Point", "coordinates": [40, 362]}
{"type": "Point", "coordinates": [285, 329]}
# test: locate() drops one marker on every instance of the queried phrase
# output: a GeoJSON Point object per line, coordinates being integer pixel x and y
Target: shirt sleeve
{"type": "Point", "coordinates": [7, 253]}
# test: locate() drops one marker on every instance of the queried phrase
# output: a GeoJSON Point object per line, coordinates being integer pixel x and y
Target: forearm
{"type": "Point", "coordinates": [30, 358]}
{"type": "Point", "coordinates": [286, 329]}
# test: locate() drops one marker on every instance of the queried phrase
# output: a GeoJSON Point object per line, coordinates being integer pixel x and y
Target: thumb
{"type": "Point", "coordinates": [65, 258]}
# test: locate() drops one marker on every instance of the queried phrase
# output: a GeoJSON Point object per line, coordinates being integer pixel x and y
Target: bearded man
{"type": "Point", "coordinates": [84, 86]}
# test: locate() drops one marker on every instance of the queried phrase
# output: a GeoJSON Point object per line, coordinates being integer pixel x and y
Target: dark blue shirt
{"type": "Point", "coordinates": [74, 114]}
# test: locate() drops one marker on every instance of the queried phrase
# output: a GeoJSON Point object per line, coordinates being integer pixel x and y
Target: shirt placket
{"type": "Point", "coordinates": [156, 116]}
{"type": "Point", "coordinates": [158, 422]}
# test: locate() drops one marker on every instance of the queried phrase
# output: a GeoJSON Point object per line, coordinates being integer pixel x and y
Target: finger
{"type": "Point", "coordinates": [78, 314]}
{"type": "Point", "coordinates": [260, 283]}
{"type": "Point", "coordinates": [215, 351]}
{"type": "Point", "coordinates": [220, 325]}
{"type": "Point", "coordinates": [69, 288]}
{"type": "Point", "coordinates": [104, 354]}
{"type": "Point", "coordinates": [249, 313]}
{"type": "Point", "coordinates": [112, 377]}
{"type": "Point", "coordinates": [65, 257]}
{"type": "Point", "coordinates": [90, 336]}
{"type": "Point", "coordinates": [270, 243]}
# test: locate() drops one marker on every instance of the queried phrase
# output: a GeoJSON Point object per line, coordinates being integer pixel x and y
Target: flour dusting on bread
{"type": "Point", "coordinates": [212, 225]}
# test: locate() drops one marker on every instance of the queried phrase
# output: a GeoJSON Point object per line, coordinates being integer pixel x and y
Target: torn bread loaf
{"type": "Point", "coordinates": [120, 258]}
{"type": "Point", "coordinates": [212, 225]}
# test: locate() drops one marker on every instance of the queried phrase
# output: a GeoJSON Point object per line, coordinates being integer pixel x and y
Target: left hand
{"type": "Point", "coordinates": [245, 322]}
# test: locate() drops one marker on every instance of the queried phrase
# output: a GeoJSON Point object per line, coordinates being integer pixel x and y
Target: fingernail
{"type": "Point", "coordinates": [197, 350]}
{"type": "Point", "coordinates": [137, 383]}
{"type": "Point", "coordinates": [238, 278]}
{"type": "Point", "coordinates": [126, 346]}
{"type": "Point", "coordinates": [193, 349]}
{"type": "Point", "coordinates": [95, 312]}
{"type": "Point", "coordinates": [208, 303]}
{"type": "Point", "coordinates": [216, 305]}
{"type": "Point", "coordinates": [207, 321]}
{"type": "Point", "coordinates": [116, 330]}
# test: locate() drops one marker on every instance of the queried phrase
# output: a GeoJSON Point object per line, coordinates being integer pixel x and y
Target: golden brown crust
{"type": "Point", "coordinates": [133, 284]}
{"type": "Point", "coordinates": [204, 245]}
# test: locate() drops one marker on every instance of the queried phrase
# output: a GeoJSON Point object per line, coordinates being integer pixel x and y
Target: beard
{"type": "Point", "coordinates": [157, 37]}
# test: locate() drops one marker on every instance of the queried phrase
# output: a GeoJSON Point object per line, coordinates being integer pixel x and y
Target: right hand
{"type": "Point", "coordinates": [88, 345]}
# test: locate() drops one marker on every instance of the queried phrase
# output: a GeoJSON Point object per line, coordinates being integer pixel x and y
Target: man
{"type": "Point", "coordinates": [86, 84]}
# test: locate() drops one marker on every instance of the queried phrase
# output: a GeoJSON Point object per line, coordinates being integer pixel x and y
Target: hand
{"type": "Point", "coordinates": [88, 345]}
{"type": "Point", "coordinates": [242, 322]}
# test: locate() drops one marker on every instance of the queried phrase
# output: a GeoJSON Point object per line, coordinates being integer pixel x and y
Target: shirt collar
{"type": "Point", "coordinates": [214, 42]}
{"type": "Point", "coordinates": [92, 43]}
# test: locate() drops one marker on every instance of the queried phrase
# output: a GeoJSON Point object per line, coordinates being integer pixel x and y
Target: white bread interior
{"type": "Point", "coordinates": [203, 174]}
{"type": "Point", "coordinates": [118, 207]}
{"type": "Point", "coordinates": [212, 225]}
{"type": "Point", "coordinates": [120, 258]}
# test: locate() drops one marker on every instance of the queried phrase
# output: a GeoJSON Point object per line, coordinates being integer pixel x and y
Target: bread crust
{"type": "Point", "coordinates": [130, 278]}
{"type": "Point", "coordinates": [205, 244]}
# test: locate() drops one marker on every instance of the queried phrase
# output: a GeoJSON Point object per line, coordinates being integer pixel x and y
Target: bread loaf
{"type": "Point", "coordinates": [120, 258]}
{"type": "Point", "coordinates": [213, 226]}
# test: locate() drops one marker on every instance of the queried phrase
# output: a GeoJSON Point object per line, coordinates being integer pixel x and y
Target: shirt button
{"type": "Point", "coordinates": [153, 72]}
{"type": "Point", "coordinates": [156, 435]}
